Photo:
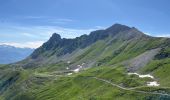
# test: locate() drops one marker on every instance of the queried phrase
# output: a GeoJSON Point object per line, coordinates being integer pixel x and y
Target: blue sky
{"type": "Point", "coordinates": [28, 23]}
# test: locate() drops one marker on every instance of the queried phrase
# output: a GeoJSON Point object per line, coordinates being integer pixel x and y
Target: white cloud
{"type": "Point", "coordinates": [34, 36]}
{"type": "Point", "coordinates": [67, 32]}
{"type": "Point", "coordinates": [159, 35]}
{"type": "Point", "coordinates": [47, 19]}
{"type": "Point", "coordinates": [28, 34]}
{"type": "Point", "coordinates": [32, 17]}
{"type": "Point", "coordinates": [100, 27]}
{"type": "Point", "coordinates": [66, 20]}
{"type": "Point", "coordinates": [44, 32]}
{"type": "Point", "coordinates": [33, 44]}
{"type": "Point", "coordinates": [163, 35]}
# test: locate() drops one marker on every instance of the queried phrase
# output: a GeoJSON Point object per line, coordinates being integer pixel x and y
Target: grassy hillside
{"type": "Point", "coordinates": [82, 86]}
{"type": "Point", "coordinates": [105, 58]}
{"type": "Point", "coordinates": [160, 67]}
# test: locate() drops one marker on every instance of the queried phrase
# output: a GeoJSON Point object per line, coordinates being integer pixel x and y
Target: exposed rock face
{"type": "Point", "coordinates": [61, 46]}
{"type": "Point", "coordinates": [127, 42]}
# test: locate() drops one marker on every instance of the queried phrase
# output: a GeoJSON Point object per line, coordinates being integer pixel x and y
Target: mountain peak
{"type": "Point", "coordinates": [116, 28]}
{"type": "Point", "coordinates": [119, 26]}
{"type": "Point", "coordinates": [55, 36]}
{"type": "Point", "coordinates": [59, 46]}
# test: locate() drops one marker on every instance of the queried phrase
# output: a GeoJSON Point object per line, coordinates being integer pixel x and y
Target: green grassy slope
{"type": "Point", "coordinates": [82, 86]}
{"type": "Point", "coordinates": [45, 82]}
{"type": "Point", "coordinates": [160, 67]}
{"type": "Point", "coordinates": [104, 76]}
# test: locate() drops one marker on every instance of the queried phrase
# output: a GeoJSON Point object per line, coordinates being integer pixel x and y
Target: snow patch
{"type": "Point", "coordinates": [83, 64]}
{"type": "Point", "coordinates": [67, 68]}
{"type": "Point", "coordinates": [68, 62]}
{"type": "Point", "coordinates": [154, 83]}
{"type": "Point", "coordinates": [79, 68]}
{"type": "Point", "coordinates": [69, 73]}
{"type": "Point", "coordinates": [142, 76]}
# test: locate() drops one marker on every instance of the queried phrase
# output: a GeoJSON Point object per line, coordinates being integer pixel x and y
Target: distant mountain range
{"type": "Point", "coordinates": [10, 54]}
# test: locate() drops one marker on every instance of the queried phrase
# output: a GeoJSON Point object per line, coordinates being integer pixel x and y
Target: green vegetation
{"type": "Point", "coordinates": [160, 69]}
{"type": "Point", "coordinates": [105, 58]}
{"type": "Point", "coordinates": [82, 85]}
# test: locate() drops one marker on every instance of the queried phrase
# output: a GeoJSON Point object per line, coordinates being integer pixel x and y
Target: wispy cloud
{"type": "Point", "coordinates": [100, 27]}
{"type": "Point", "coordinates": [45, 31]}
{"type": "Point", "coordinates": [60, 21]}
{"type": "Point", "coordinates": [159, 35]}
{"type": "Point", "coordinates": [163, 35]}
{"type": "Point", "coordinates": [28, 34]}
{"type": "Point", "coordinates": [34, 36]}
{"type": "Point", "coordinates": [32, 17]}
{"type": "Point", "coordinates": [33, 44]}
{"type": "Point", "coordinates": [47, 19]}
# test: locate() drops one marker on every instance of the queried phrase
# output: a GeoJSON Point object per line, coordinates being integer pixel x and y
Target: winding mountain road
{"type": "Point", "coordinates": [130, 89]}
{"type": "Point", "coordinates": [115, 85]}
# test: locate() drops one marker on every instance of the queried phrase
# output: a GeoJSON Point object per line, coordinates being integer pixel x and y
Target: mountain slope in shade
{"type": "Point", "coordinates": [53, 50]}
{"type": "Point", "coordinates": [10, 54]}
{"type": "Point", "coordinates": [116, 44]}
